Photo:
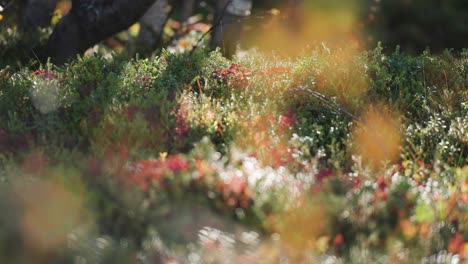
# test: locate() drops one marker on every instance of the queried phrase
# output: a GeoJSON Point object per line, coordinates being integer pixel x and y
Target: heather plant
{"type": "Point", "coordinates": [337, 156]}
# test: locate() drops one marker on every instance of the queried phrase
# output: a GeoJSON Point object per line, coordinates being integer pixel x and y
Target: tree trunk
{"type": "Point", "coordinates": [91, 21]}
{"type": "Point", "coordinates": [187, 10]}
{"type": "Point", "coordinates": [227, 24]}
{"type": "Point", "coordinates": [151, 27]}
{"type": "Point", "coordinates": [37, 13]}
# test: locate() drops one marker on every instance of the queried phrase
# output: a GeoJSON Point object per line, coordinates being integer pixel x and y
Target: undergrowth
{"type": "Point", "coordinates": [339, 156]}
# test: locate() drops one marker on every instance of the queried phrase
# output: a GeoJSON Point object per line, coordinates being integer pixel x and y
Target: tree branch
{"type": "Point", "coordinates": [91, 21]}
{"type": "Point", "coordinates": [327, 101]}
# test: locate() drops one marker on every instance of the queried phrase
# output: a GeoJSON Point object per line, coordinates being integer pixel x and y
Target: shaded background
{"type": "Point", "coordinates": [413, 25]}
{"type": "Point", "coordinates": [417, 24]}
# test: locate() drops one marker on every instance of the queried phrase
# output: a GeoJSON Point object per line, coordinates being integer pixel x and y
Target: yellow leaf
{"type": "Point", "coordinates": [134, 29]}
{"type": "Point", "coordinates": [275, 11]}
{"type": "Point", "coordinates": [163, 155]}
{"type": "Point", "coordinates": [55, 19]}
{"type": "Point", "coordinates": [322, 244]}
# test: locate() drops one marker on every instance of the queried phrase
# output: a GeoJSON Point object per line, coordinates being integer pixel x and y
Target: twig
{"type": "Point", "coordinates": [325, 100]}
{"type": "Point", "coordinates": [215, 25]}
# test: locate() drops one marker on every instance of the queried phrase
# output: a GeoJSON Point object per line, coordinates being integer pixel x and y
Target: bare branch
{"type": "Point", "coordinates": [324, 99]}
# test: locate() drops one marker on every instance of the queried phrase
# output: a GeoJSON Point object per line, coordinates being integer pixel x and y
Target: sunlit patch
{"type": "Point", "coordinates": [295, 30]}
{"type": "Point", "coordinates": [377, 138]}
{"type": "Point", "coordinates": [342, 76]}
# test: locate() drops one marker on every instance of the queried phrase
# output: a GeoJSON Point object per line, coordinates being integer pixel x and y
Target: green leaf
{"type": "Point", "coordinates": [424, 213]}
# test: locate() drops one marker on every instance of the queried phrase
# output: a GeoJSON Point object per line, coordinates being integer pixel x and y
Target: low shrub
{"type": "Point", "coordinates": [201, 159]}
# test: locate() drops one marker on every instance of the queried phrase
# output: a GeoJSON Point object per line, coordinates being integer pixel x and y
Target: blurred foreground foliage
{"type": "Point", "coordinates": [199, 159]}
